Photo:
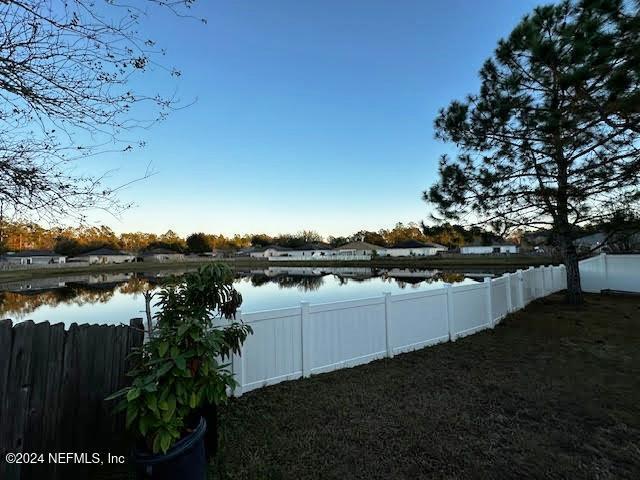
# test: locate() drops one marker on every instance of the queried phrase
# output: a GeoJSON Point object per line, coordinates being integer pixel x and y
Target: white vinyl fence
{"type": "Point", "coordinates": [610, 272]}
{"type": "Point", "coordinates": [308, 339]}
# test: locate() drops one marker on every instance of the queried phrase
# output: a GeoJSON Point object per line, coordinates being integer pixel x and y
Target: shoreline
{"type": "Point", "coordinates": [466, 261]}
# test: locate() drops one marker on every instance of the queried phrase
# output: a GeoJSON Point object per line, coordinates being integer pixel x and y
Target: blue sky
{"type": "Point", "coordinates": [309, 115]}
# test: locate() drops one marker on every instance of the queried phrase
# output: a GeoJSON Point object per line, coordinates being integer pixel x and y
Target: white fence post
{"type": "Point", "coordinates": [487, 282]}
{"type": "Point", "coordinates": [509, 299]}
{"type": "Point", "coordinates": [237, 364]}
{"type": "Point", "coordinates": [520, 290]}
{"type": "Point", "coordinates": [387, 323]}
{"type": "Point", "coordinates": [452, 332]}
{"type": "Point", "coordinates": [306, 338]}
{"type": "Point", "coordinates": [548, 287]}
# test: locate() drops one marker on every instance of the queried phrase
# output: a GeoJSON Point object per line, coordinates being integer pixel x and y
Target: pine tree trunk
{"type": "Point", "coordinates": [570, 258]}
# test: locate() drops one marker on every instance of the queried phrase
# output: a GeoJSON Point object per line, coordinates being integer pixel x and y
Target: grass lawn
{"type": "Point", "coordinates": [550, 393]}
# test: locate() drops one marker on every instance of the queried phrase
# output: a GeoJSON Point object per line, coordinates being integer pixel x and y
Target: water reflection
{"type": "Point", "coordinates": [116, 297]}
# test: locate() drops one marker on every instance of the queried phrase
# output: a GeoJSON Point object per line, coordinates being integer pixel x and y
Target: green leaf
{"type": "Point", "coordinates": [162, 348]}
{"type": "Point", "coordinates": [133, 394]}
{"type": "Point", "coordinates": [164, 368]}
{"type": "Point", "coordinates": [150, 387]}
{"type": "Point", "coordinates": [152, 403]}
{"type": "Point", "coordinates": [165, 441]}
{"type": "Point", "coordinates": [143, 425]}
{"type": "Point", "coordinates": [171, 406]}
{"type": "Point", "coordinates": [182, 329]}
{"type": "Point", "coordinates": [156, 443]}
{"type": "Point", "coordinates": [181, 362]}
{"type": "Point", "coordinates": [193, 401]}
{"type": "Point", "coordinates": [132, 413]}
{"type": "Point", "coordinates": [180, 389]}
{"type": "Point", "coordinates": [119, 393]}
{"type": "Point", "coordinates": [174, 351]}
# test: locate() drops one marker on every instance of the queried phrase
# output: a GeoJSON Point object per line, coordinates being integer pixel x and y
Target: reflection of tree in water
{"type": "Point", "coordinates": [306, 283]}
{"type": "Point", "coordinates": [352, 279]}
{"type": "Point", "coordinates": [137, 285]}
{"type": "Point", "coordinates": [406, 282]}
{"type": "Point", "coordinates": [21, 304]}
{"type": "Point", "coordinates": [259, 279]}
{"type": "Point", "coordinates": [303, 283]}
{"type": "Point", "coordinates": [403, 282]}
{"type": "Point", "coordinates": [84, 295]}
{"type": "Point", "coordinates": [449, 277]}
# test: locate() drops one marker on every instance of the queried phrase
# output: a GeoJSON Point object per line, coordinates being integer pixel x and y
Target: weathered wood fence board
{"type": "Point", "coordinates": [52, 388]}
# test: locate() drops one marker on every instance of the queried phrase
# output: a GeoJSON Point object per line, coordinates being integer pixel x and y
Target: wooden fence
{"type": "Point", "coordinates": [52, 388]}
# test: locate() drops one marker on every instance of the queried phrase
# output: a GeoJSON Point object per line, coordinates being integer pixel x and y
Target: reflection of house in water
{"type": "Point", "coordinates": [108, 280]}
{"type": "Point", "coordinates": [34, 285]}
{"type": "Point", "coordinates": [320, 271]}
{"type": "Point", "coordinates": [405, 273]}
{"type": "Point", "coordinates": [414, 277]}
{"type": "Point", "coordinates": [277, 274]}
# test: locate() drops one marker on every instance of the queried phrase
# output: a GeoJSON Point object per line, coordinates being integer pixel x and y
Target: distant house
{"type": "Point", "coordinates": [106, 255]}
{"type": "Point", "coordinates": [507, 248]}
{"type": "Point", "coordinates": [270, 251]}
{"type": "Point", "coordinates": [34, 257]}
{"type": "Point", "coordinates": [414, 248]}
{"type": "Point", "coordinates": [359, 248]}
{"type": "Point", "coordinates": [595, 242]}
{"type": "Point", "coordinates": [311, 250]}
{"type": "Point", "coordinates": [161, 255]}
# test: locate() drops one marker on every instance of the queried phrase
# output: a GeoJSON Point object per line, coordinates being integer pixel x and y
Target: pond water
{"type": "Point", "coordinates": [117, 297]}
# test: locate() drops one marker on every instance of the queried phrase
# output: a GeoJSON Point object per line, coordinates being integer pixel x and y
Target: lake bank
{"type": "Point", "coordinates": [114, 297]}
{"type": "Point", "coordinates": [462, 261]}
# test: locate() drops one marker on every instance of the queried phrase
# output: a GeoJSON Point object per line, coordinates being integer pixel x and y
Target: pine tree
{"type": "Point", "coordinates": [552, 138]}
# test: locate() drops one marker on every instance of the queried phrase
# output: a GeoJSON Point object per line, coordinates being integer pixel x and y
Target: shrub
{"type": "Point", "coordinates": [180, 367]}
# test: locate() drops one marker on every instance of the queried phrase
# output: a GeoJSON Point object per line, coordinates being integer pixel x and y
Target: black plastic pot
{"type": "Point", "coordinates": [186, 460]}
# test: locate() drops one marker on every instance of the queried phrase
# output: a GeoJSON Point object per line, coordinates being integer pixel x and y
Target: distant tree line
{"type": "Point", "coordinates": [16, 236]}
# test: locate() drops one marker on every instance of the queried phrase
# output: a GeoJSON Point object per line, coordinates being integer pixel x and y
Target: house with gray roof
{"type": "Point", "coordinates": [414, 248]}
{"type": "Point", "coordinates": [161, 255]}
{"type": "Point", "coordinates": [34, 257]}
{"type": "Point", "coordinates": [106, 255]}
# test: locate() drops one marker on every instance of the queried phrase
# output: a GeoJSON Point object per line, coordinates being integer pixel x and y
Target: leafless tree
{"type": "Point", "coordinates": [66, 74]}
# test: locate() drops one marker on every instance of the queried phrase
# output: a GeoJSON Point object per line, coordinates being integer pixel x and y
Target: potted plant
{"type": "Point", "coordinates": [180, 370]}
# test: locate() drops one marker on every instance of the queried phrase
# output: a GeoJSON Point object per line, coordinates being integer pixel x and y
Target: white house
{"type": "Point", "coordinates": [489, 249]}
{"type": "Point", "coordinates": [34, 257]}
{"type": "Point", "coordinates": [414, 248]}
{"type": "Point", "coordinates": [311, 250]}
{"type": "Point", "coordinates": [358, 249]}
{"type": "Point", "coordinates": [107, 255]}
{"type": "Point", "coordinates": [161, 255]}
{"type": "Point", "coordinates": [270, 251]}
